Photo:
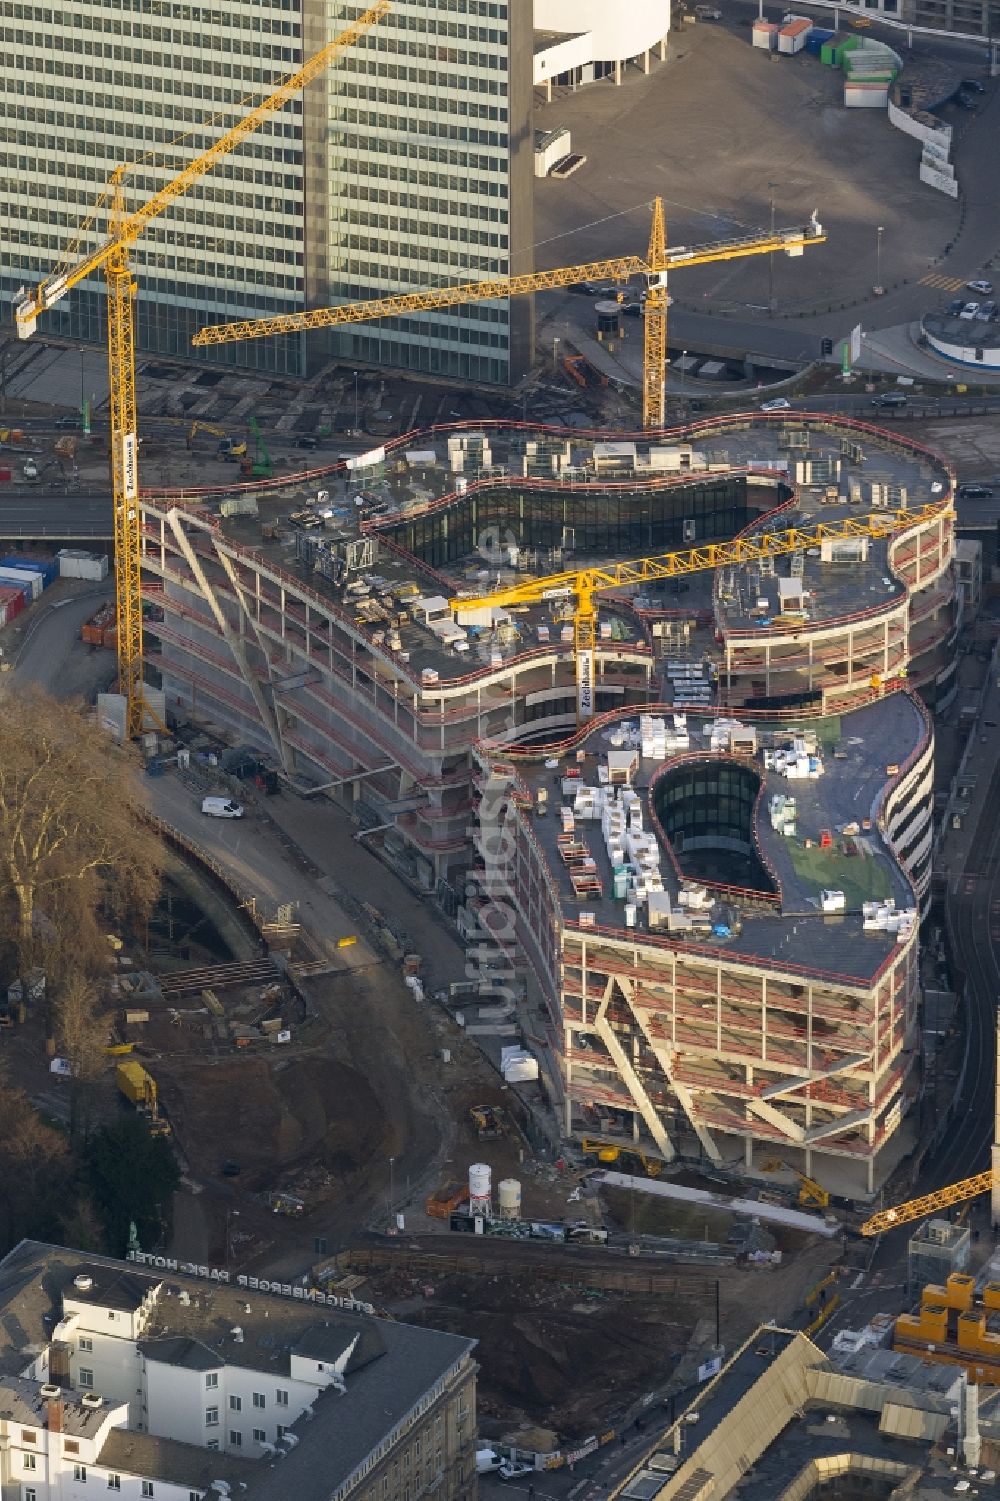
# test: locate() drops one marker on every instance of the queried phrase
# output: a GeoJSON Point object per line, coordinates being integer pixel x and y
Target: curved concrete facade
{"type": "Point", "coordinates": [618, 32]}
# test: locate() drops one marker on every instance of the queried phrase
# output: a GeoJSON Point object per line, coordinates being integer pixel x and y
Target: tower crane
{"type": "Point", "coordinates": [655, 266]}
{"type": "Point", "coordinates": [917, 1209]}
{"type": "Point", "coordinates": [112, 256]}
{"type": "Point", "coordinates": [580, 585]}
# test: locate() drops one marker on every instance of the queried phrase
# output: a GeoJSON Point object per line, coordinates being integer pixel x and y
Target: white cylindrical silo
{"type": "Point", "coordinates": [479, 1190]}
{"type": "Point", "coordinates": [479, 1180]}
{"type": "Point", "coordinates": [509, 1199]}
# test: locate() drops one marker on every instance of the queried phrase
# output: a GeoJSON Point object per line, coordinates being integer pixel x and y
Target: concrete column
{"type": "Point", "coordinates": [645, 61]}
{"type": "Point", "coordinates": [663, 49]}
{"type": "Point", "coordinates": [618, 73]}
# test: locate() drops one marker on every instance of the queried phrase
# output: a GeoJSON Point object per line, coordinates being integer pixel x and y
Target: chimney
{"type": "Point", "coordinates": [54, 1410]}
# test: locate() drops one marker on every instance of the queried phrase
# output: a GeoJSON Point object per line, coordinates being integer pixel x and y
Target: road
{"type": "Point", "coordinates": [51, 653]}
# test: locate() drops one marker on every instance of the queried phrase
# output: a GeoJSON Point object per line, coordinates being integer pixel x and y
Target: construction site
{"type": "Point", "coordinates": [634, 731]}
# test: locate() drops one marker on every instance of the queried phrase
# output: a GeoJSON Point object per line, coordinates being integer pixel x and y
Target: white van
{"type": "Point", "coordinates": [221, 807]}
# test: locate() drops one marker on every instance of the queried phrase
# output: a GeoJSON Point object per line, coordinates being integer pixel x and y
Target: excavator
{"type": "Point", "coordinates": [229, 448]}
{"type": "Point", "coordinates": [812, 1195]}
{"type": "Point", "coordinates": [617, 1154]}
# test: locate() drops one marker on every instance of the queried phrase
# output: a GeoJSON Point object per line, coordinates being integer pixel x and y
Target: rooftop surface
{"type": "Point", "coordinates": [416, 479]}
{"type": "Point", "coordinates": [392, 1367]}
{"type": "Point", "coordinates": [867, 740]}
{"type": "Point", "coordinates": [811, 1427]}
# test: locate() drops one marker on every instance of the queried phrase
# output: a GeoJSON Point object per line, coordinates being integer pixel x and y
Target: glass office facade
{"type": "Point", "coordinates": [88, 86]}
{"type": "Point", "coordinates": [599, 523]}
{"type": "Point", "coordinates": [427, 182]}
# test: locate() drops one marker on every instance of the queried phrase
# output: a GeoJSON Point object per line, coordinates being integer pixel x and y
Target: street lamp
{"type": "Point", "coordinates": [878, 288]}
{"type": "Point", "coordinates": [555, 345]}
{"type": "Point", "coordinates": [231, 1214]}
{"type": "Point", "coordinates": [357, 424]}
{"type": "Point", "coordinates": [770, 260]}
{"type": "Point", "coordinates": [392, 1187]}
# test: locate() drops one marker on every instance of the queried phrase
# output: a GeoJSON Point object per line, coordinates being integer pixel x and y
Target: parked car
{"type": "Point", "coordinates": [73, 421]}
{"type": "Point", "coordinates": [776, 404]}
{"type": "Point", "coordinates": [513, 1468]}
{"type": "Point", "coordinates": [965, 101]}
{"type": "Point", "coordinates": [974, 492]}
{"type": "Point", "coordinates": [970, 310]}
{"type": "Point", "coordinates": [307, 441]}
{"type": "Point", "coordinates": [987, 311]}
{"type": "Point", "coordinates": [985, 287]}
{"type": "Point", "coordinates": [973, 86]}
{"type": "Point", "coordinates": [890, 399]}
{"type": "Point", "coordinates": [955, 307]}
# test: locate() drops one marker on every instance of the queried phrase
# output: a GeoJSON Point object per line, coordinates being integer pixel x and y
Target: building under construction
{"type": "Point", "coordinates": [319, 629]}
{"type": "Point", "coordinates": [717, 898]}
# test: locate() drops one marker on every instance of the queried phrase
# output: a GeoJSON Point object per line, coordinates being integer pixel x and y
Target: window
{"type": "Point", "coordinates": [211, 1417]}
{"type": "Point", "coordinates": [30, 1494]}
{"type": "Point", "coordinates": [70, 1446]}
{"type": "Point", "coordinates": [258, 1399]}
{"type": "Point", "coordinates": [147, 1487]}
{"type": "Point", "coordinates": [281, 1430]}
{"type": "Point", "coordinates": [236, 1438]}
{"type": "Point", "coordinates": [114, 1482]}
{"type": "Point", "coordinates": [86, 1343]}
{"type": "Point", "coordinates": [236, 1404]}
{"type": "Point", "coordinates": [212, 1443]}
{"type": "Point", "coordinates": [80, 1473]}
{"type": "Point", "coordinates": [281, 1397]}
{"type": "Point", "coordinates": [28, 1436]}
{"type": "Point", "coordinates": [211, 1380]}
{"type": "Point", "coordinates": [85, 1378]}
{"type": "Point", "coordinates": [259, 1436]}
{"type": "Point", "coordinates": [29, 1461]}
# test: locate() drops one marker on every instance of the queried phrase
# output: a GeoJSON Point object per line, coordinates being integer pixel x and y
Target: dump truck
{"type": "Point", "coordinates": [139, 1088]}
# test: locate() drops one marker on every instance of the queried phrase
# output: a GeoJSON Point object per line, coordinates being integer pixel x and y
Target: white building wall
{"type": "Point", "coordinates": [177, 1401]}
{"type": "Point", "coordinates": [619, 31]}
{"type": "Point", "coordinates": [114, 1367]}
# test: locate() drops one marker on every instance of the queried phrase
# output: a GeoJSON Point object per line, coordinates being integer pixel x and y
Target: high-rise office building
{"type": "Point", "coordinates": [91, 85]}
{"type": "Point", "coordinates": [408, 164]}
{"type": "Point", "coordinates": [422, 175]}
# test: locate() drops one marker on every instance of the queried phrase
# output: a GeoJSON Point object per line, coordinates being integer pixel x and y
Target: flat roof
{"type": "Point", "coordinates": [391, 1368]}
{"type": "Point", "coordinates": [398, 490]}
{"type": "Point", "coordinates": [799, 933]}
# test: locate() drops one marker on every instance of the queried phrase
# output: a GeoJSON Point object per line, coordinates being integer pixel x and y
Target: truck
{"type": "Point", "coordinates": [139, 1088]}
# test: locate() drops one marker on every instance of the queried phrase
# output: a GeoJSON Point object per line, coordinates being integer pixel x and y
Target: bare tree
{"type": "Point", "coordinates": [71, 831]}
{"type": "Point", "coordinates": [81, 1034]}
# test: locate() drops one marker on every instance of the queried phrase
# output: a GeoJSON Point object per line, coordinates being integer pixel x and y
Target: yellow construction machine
{"type": "Point", "coordinates": [628, 1158]}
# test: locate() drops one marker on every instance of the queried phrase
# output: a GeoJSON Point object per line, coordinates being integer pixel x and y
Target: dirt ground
{"type": "Point", "coordinates": [574, 1358]}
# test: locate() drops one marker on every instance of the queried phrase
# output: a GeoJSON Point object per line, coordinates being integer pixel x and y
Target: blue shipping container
{"type": "Point", "coordinates": [48, 570]}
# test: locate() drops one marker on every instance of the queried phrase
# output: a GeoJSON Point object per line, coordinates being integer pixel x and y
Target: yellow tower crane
{"type": "Point", "coordinates": [112, 256]}
{"type": "Point", "coordinates": [580, 585]}
{"type": "Point", "coordinates": [654, 266]}
{"type": "Point", "coordinates": [917, 1209]}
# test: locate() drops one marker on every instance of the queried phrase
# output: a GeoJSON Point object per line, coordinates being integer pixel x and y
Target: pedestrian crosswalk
{"type": "Point", "coordinates": [946, 283]}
